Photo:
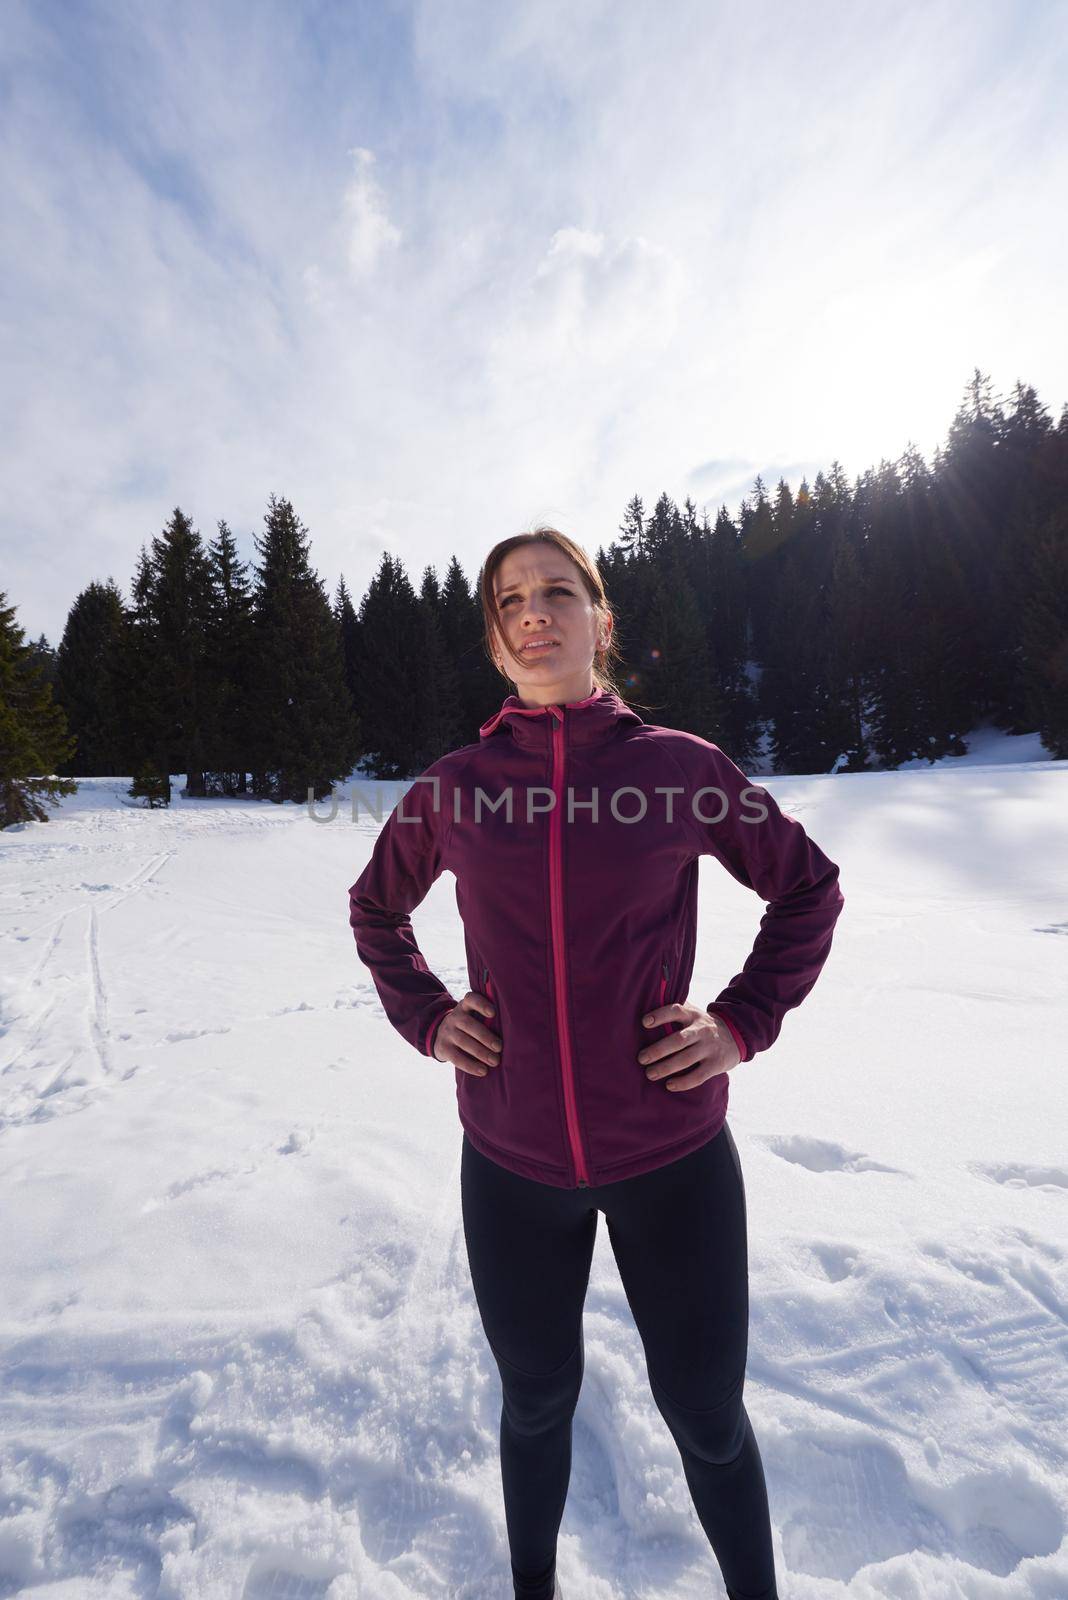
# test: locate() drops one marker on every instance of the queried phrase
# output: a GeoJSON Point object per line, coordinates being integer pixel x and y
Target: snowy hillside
{"type": "Point", "coordinates": [240, 1355]}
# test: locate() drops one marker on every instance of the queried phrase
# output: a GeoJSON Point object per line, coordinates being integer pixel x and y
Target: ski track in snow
{"type": "Point", "coordinates": [908, 1389]}
{"type": "Point", "coordinates": [68, 980]}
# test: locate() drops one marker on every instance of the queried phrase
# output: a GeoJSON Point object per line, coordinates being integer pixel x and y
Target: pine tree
{"type": "Point", "coordinates": [302, 730]}
{"type": "Point", "coordinates": [150, 785]}
{"type": "Point", "coordinates": [663, 531]}
{"type": "Point", "coordinates": [760, 537]}
{"type": "Point", "coordinates": [632, 528]}
{"type": "Point", "coordinates": [800, 688]}
{"type": "Point", "coordinates": [136, 671]}
{"type": "Point", "coordinates": [228, 661]}
{"type": "Point", "coordinates": [680, 675]}
{"type": "Point", "coordinates": [843, 657]}
{"type": "Point", "coordinates": [392, 632]}
{"type": "Point", "coordinates": [42, 655]}
{"type": "Point", "coordinates": [164, 673]}
{"type": "Point", "coordinates": [183, 605]}
{"type": "Point", "coordinates": [480, 686]}
{"type": "Point", "coordinates": [438, 728]}
{"type": "Point", "coordinates": [1045, 634]}
{"type": "Point", "coordinates": [973, 492]}
{"type": "Point", "coordinates": [88, 680]}
{"type": "Point", "coordinates": [34, 740]}
{"type": "Point", "coordinates": [628, 585]}
{"type": "Point", "coordinates": [954, 682]}
{"type": "Point", "coordinates": [349, 629]}
{"type": "Point", "coordinates": [791, 691]}
{"type": "Point", "coordinates": [720, 593]}
{"type": "Point", "coordinates": [1036, 468]}
{"type": "Point", "coordinates": [895, 727]}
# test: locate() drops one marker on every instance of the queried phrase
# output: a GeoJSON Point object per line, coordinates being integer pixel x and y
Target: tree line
{"type": "Point", "coordinates": [843, 627]}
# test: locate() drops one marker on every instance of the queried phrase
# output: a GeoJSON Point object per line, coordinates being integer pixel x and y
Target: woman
{"type": "Point", "coordinates": [585, 1080]}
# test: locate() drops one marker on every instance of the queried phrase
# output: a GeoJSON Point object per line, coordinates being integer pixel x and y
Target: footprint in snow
{"type": "Point", "coordinates": [846, 1503]}
{"type": "Point", "coordinates": [180, 1035]}
{"type": "Point", "coordinates": [821, 1155]}
{"type": "Point", "coordinates": [117, 1531]}
{"type": "Point", "coordinates": [404, 1518]}
{"type": "Point", "coordinates": [1033, 1242]}
{"type": "Point", "coordinates": [302, 1578]}
{"type": "Point", "coordinates": [1020, 1175]}
{"type": "Point", "coordinates": [836, 1261]}
{"type": "Point", "coordinates": [298, 1140]}
{"type": "Point", "coordinates": [377, 1283]}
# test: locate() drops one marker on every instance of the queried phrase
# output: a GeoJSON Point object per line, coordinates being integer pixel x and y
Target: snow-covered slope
{"type": "Point", "coordinates": [239, 1350]}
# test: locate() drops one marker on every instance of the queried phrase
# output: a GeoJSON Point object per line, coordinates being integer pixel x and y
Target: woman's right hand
{"type": "Point", "coordinates": [464, 1041]}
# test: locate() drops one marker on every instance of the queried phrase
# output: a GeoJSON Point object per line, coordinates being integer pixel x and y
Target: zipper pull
{"type": "Point", "coordinates": [666, 969]}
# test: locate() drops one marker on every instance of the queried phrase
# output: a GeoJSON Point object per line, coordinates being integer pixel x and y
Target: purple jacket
{"type": "Point", "coordinates": [580, 914]}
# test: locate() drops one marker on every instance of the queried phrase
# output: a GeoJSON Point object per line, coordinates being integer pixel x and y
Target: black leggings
{"type": "Point", "coordinates": [679, 1235]}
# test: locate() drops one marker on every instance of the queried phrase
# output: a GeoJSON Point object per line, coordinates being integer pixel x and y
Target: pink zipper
{"type": "Point", "coordinates": [670, 1026]}
{"type": "Point", "coordinates": [556, 891]}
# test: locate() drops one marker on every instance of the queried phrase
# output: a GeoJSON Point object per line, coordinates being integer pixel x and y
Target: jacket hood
{"type": "Point", "coordinates": [587, 721]}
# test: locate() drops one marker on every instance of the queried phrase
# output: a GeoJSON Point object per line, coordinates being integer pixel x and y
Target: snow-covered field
{"type": "Point", "coordinates": [240, 1357]}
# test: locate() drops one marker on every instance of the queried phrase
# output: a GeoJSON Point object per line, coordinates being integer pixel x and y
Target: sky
{"type": "Point", "coordinates": [240, 1351]}
{"type": "Point", "coordinates": [437, 272]}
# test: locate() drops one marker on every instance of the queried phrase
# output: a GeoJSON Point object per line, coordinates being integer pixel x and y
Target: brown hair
{"type": "Point", "coordinates": [605, 656]}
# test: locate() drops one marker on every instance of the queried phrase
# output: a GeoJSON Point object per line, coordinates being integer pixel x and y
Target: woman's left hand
{"type": "Point", "coordinates": [702, 1042]}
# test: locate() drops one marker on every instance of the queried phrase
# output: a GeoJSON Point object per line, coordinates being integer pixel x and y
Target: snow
{"type": "Point", "coordinates": [988, 746]}
{"type": "Point", "coordinates": [239, 1348]}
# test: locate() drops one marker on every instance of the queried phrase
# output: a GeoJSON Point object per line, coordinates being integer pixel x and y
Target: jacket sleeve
{"type": "Point", "coordinates": [772, 854]}
{"type": "Point", "coordinates": [408, 856]}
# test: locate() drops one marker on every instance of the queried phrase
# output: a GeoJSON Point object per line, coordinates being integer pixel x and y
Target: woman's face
{"type": "Point", "coordinates": [541, 594]}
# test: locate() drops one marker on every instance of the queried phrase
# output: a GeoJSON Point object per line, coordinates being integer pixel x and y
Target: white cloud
{"type": "Point", "coordinates": [370, 231]}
